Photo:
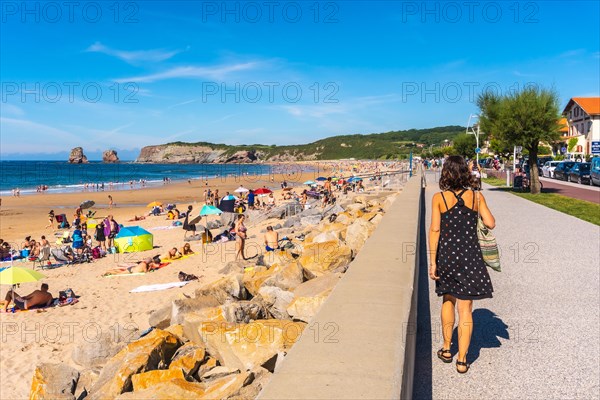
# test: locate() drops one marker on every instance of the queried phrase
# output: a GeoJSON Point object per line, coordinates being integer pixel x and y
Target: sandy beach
{"type": "Point", "coordinates": [106, 304]}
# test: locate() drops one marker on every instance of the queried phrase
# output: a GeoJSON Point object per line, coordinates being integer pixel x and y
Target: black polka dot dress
{"type": "Point", "coordinates": [460, 265]}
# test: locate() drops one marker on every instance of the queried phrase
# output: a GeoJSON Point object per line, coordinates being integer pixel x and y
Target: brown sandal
{"type": "Point", "coordinates": [462, 364]}
{"type": "Point", "coordinates": [441, 356]}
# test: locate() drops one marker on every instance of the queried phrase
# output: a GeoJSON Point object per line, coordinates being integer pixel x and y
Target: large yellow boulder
{"type": "Point", "coordinates": [180, 389]}
{"type": "Point", "coordinates": [148, 379]}
{"type": "Point", "coordinates": [228, 386]}
{"type": "Point", "coordinates": [305, 308]}
{"type": "Point", "coordinates": [53, 381]}
{"type": "Point", "coordinates": [188, 359]}
{"type": "Point", "coordinates": [174, 389]}
{"type": "Point", "coordinates": [320, 258]}
{"type": "Point", "coordinates": [357, 234]}
{"type": "Point", "coordinates": [153, 351]}
{"type": "Point", "coordinates": [245, 346]}
{"type": "Point", "coordinates": [229, 287]}
{"type": "Point", "coordinates": [254, 278]}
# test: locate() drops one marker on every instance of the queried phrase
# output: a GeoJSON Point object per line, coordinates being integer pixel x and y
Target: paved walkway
{"type": "Point", "coordinates": [539, 337]}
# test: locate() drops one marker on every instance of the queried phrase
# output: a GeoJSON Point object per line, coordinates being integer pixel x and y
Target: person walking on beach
{"type": "Point", "coordinates": [50, 220]}
{"type": "Point", "coordinates": [240, 235]}
{"type": "Point", "coordinates": [456, 263]}
{"type": "Point", "coordinates": [110, 202]}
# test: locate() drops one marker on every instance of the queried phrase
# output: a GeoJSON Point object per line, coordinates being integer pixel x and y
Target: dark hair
{"type": "Point", "coordinates": [240, 216]}
{"type": "Point", "coordinates": [190, 208]}
{"type": "Point", "coordinates": [156, 259]}
{"type": "Point", "coordinates": [45, 286]}
{"type": "Point", "coordinates": [269, 228]}
{"type": "Point", "coordinates": [455, 174]}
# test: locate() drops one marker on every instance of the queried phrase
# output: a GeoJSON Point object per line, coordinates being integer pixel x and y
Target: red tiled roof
{"type": "Point", "coordinates": [591, 105]}
{"type": "Point", "coordinates": [563, 125]}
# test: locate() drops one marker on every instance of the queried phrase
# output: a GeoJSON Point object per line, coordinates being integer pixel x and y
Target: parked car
{"type": "Point", "coordinates": [580, 173]}
{"type": "Point", "coordinates": [595, 171]}
{"type": "Point", "coordinates": [526, 170]}
{"type": "Point", "coordinates": [548, 168]}
{"type": "Point", "coordinates": [544, 159]}
{"type": "Point", "coordinates": [562, 169]}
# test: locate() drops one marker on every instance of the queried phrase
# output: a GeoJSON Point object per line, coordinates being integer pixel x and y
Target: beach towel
{"type": "Point", "coordinates": [162, 228]}
{"type": "Point", "coordinates": [157, 287]}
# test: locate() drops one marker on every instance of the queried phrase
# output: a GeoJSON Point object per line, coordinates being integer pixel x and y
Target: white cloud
{"type": "Point", "coordinates": [21, 134]}
{"type": "Point", "coordinates": [11, 109]}
{"type": "Point", "coordinates": [572, 53]}
{"type": "Point", "coordinates": [212, 72]}
{"type": "Point", "coordinates": [135, 56]}
{"type": "Point", "coordinates": [183, 103]}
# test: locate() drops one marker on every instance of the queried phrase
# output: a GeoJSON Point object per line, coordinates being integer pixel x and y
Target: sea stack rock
{"type": "Point", "coordinates": [77, 156]}
{"type": "Point", "coordinates": [110, 156]}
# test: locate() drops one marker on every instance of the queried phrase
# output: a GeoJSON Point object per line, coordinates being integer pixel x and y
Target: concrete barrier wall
{"type": "Point", "coordinates": [361, 344]}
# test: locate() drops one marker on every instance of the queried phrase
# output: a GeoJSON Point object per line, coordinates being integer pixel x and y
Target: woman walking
{"type": "Point", "coordinates": [456, 263]}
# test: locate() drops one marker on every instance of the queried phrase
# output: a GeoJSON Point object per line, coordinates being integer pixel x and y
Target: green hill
{"type": "Point", "coordinates": [394, 144]}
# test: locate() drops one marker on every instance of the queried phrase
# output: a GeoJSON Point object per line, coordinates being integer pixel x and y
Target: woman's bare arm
{"type": "Point", "coordinates": [434, 229]}
{"type": "Point", "coordinates": [485, 213]}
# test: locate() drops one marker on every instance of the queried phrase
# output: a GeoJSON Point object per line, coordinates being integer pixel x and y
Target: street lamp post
{"type": "Point", "coordinates": [473, 132]}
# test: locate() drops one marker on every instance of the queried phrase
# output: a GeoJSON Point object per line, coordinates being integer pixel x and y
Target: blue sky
{"type": "Point", "coordinates": [100, 76]}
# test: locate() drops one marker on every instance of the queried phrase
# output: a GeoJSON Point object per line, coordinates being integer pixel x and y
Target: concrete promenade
{"type": "Point", "coordinates": [539, 337]}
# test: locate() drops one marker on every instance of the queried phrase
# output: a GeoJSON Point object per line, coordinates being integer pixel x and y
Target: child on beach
{"type": "Point", "coordinates": [50, 220]}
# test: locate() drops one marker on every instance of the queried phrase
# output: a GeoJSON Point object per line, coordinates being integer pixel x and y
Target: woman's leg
{"type": "Point", "coordinates": [465, 328]}
{"type": "Point", "coordinates": [448, 319]}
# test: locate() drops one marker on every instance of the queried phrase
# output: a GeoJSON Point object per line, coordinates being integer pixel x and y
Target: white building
{"type": "Point", "coordinates": [583, 122]}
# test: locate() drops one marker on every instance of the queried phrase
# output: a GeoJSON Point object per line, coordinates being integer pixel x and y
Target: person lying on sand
{"type": "Point", "coordinates": [187, 249]}
{"type": "Point", "coordinates": [144, 266]}
{"type": "Point", "coordinates": [36, 298]}
{"type": "Point", "coordinates": [136, 218]}
{"type": "Point", "coordinates": [172, 254]}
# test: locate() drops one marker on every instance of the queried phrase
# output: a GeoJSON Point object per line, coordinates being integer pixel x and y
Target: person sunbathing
{"type": "Point", "coordinates": [187, 249]}
{"type": "Point", "coordinates": [144, 266]}
{"type": "Point", "coordinates": [36, 298]}
{"type": "Point", "coordinates": [172, 254]}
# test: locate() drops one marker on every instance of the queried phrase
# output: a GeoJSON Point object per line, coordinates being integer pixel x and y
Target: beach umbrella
{"type": "Point", "coordinates": [210, 210]}
{"type": "Point", "coordinates": [230, 197]}
{"type": "Point", "coordinates": [354, 179]}
{"type": "Point", "coordinates": [309, 183]}
{"type": "Point", "coordinates": [132, 239]}
{"type": "Point", "coordinates": [241, 189]}
{"type": "Point", "coordinates": [321, 178]}
{"type": "Point", "coordinates": [87, 204]}
{"type": "Point", "coordinates": [262, 191]}
{"type": "Point", "coordinates": [154, 204]}
{"type": "Point", "coordinates": [15, 275]}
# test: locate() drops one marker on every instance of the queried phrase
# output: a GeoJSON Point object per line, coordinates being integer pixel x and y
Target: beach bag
{"type": "Point", "coordinates": [96, 253]}
{"type": "Point", "coordinates": [487, 243]}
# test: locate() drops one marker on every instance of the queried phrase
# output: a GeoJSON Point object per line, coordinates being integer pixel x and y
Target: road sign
{"type": "Point", "coordinates": [595, 147]}
{"type": "Point", "coordinates": [478, 150]}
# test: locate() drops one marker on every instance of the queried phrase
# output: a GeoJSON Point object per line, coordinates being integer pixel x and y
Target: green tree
{"type": "Point", "coordinates": [501, 147]}
{"type": "Point", "coordinates": [523, 118]}
{"type": "Point", "coordinates": [571, 144]}
{"type": "Point", "coordinates": [465, 145]}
